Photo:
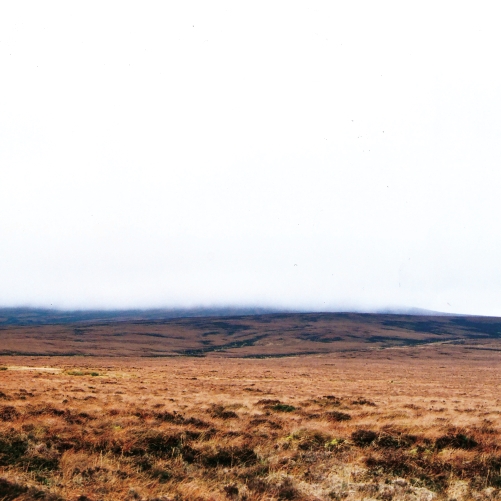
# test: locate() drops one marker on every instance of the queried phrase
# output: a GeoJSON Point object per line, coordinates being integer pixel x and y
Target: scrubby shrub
{"type": "Point", "coordinates": [337, 416]}
{"type": "Point", "coordinates": [390, 462]}
{"type": "Point", "coordinates": [386, 440]}
{"type": "Point", "coordinates": [40, 463]}
{"type": "Point", "coordinates": [305, 439]}
{"type": "Point", "coordinates": [218, 411]}
{"type": "Point", "coordinates": [47, 410]}
{"type": "Point", "coordinates": [231, 490]}
{"type": "Point", "coordinates": [268, 401]}
{"type": "Point", "coordinates": [8, 413]}
{"type": "Point", "coordinates": [227, 456]}
{"type": "Point", "coordinates": [458, 441]}
{"type": "Point", "coordinates": [197, 423]}
{"type": "Point", "coordinates": [363, 401]}
{"type": "Point", "coordinates": [170, 417]}
{"type": "Point", "coordinates": [12, 448]}
{"type": "Point", "coordinates": [363, 438]}
{"type": "Point", "coordinates": [283, 408]}
{"type": "Point", "coordinates": [82, 373]}
{"type": "Point", "coordinates": [160, 474]}
{"type": "Point", "coordinates": [11, 491]}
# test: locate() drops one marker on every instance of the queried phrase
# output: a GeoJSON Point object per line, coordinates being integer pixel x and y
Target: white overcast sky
{"type": "Point", "coordinates": [318, 155]}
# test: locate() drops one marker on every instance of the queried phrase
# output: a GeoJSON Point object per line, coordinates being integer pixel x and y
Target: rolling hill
{"type": "Point", "coordinates": [156, 333]}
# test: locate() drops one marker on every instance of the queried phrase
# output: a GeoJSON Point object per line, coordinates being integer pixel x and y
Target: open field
{"type": "Point", "coordinates": [414, 423]}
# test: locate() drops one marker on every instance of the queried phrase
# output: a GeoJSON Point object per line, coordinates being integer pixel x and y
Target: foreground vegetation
{"type": "Point", "coordinates": [290, 429]}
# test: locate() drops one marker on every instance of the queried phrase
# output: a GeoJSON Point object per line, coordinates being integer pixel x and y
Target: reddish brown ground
{"type": "Point", "coordinates": [275, 335]}
{"type": "Point", "coordinates": [409, 423]}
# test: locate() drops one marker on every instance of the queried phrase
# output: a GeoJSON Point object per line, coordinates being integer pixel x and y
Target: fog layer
{"type": "Point", "coordinates": [313, 157]}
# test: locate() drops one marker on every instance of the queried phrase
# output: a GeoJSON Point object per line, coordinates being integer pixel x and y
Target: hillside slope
{"type": "Point", "coordinates": [267, 335]}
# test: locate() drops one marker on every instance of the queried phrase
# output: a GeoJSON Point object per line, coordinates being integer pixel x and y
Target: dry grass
{"type": "Point", "coordinates": [306, 428]}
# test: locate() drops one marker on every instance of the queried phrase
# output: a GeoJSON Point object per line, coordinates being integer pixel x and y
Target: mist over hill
{"type": "Point", "coordinates": [45, 316]}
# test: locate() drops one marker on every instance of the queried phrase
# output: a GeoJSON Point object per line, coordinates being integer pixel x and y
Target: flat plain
{"type": "Point", "coordinates": [299, 407]}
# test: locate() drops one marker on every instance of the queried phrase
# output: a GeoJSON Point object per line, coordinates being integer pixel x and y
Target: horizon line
{"type": "Point", "coordinates": [227, 310]}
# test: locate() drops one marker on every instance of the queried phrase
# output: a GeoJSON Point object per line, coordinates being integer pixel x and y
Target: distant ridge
{"type": "Point", "coordinates": [46, 316]}
{"type": "Point", "coordinates": [236, 333]}
{"type": "Point", "coordinates": [421, 312]}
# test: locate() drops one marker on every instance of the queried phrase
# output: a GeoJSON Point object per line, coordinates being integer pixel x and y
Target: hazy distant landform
{"type": "Point", "coordinates": [249, 333]}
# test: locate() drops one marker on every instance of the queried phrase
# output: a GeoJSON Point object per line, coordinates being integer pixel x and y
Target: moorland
{"type": "Point", "coordinates": [257, 407]}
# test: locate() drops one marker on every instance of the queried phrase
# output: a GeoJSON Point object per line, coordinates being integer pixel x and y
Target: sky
{"type": "Point", "coordinates": [302, 155]}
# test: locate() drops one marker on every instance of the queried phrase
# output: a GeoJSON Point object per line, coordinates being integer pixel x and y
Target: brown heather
{"type": "Point", "coordinates": [264, 407]}
{"type": "Point", "coordinates": [383, 425]}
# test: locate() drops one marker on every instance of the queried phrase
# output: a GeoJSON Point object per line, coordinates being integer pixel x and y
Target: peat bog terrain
{"type": "Point", "coordinates": [145, 334]}
{"type": "Point", "coordinates": [272, 406]}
